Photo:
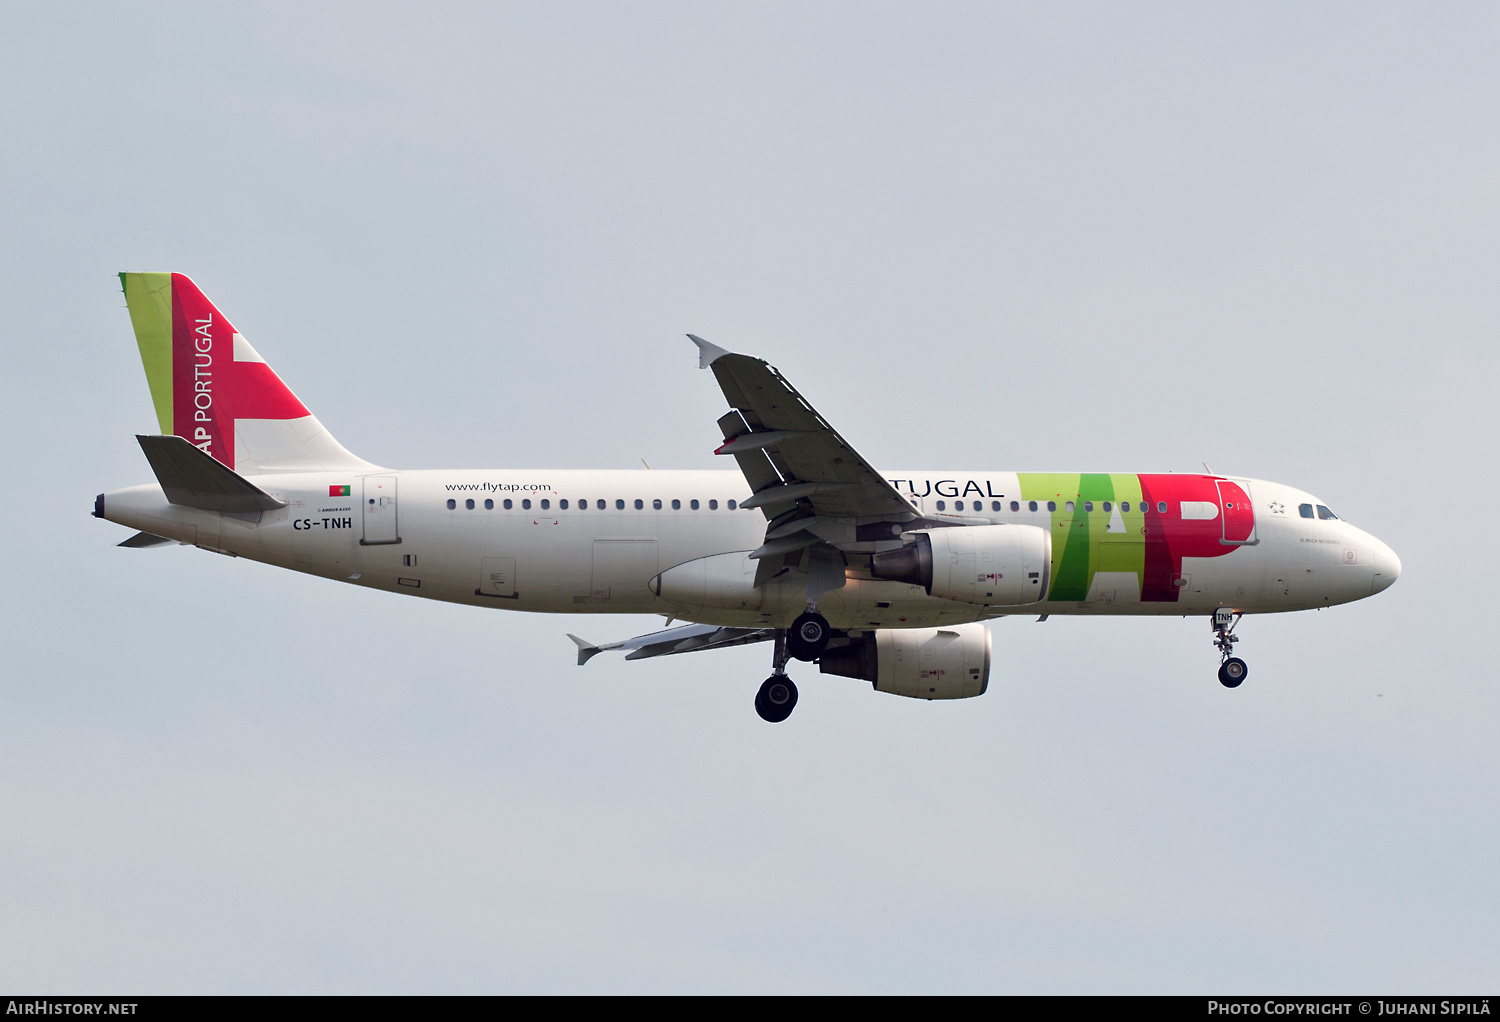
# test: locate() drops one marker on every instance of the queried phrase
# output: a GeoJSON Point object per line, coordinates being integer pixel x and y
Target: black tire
{"type": "Point", "coordinates": [808, 637]}
{"type": "Point", "coordinates": [776, 699]}
{"type": "Point", "coordinates": [1233, 672]}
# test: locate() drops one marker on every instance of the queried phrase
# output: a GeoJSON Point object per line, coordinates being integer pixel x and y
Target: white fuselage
{"type": "Point", "coordinates": [395, 530]}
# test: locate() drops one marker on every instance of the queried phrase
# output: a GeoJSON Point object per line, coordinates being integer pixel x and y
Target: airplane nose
{"type": "Point", "coordinates": [1387, 568]}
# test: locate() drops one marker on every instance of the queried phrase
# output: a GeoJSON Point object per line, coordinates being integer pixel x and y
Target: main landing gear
{"type": "Point", "coordinates": [808, 636]}
{"type": "Point", "coordinates": [777, 697]}
{"type": "Point", "coordinates": [1232, 669]}
{"type": "Point", "coordinates": [805, 640]}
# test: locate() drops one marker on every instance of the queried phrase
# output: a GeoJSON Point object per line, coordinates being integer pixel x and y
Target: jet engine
{"type": "Point", "coordinates": [721, 581]}
{"type": "Point", "coordinates": [921, 663]}
{"type": "Point", "coordinates": [991, 565]}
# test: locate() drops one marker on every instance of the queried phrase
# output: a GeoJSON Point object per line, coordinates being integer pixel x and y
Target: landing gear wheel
{"type": "Point", "coordinates": [1233, 672]}
{"type": "Point", "coordinates": [808, 636]}
{"type": "Point", "coordinates": [776, 699]}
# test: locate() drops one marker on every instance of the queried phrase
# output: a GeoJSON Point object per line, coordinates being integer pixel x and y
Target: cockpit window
{"type": "Point", "coordinates": [1305, 510]}
{"type": "Point", "coordinates": [1326, 515]}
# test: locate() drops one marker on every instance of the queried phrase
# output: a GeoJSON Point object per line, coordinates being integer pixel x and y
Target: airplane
{"type": "Point", "coordinates": [887, 577]}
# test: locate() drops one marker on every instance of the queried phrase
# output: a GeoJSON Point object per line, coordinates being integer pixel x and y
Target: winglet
{"type": "Point", "coordinates": [707, 353]}
{"type": "Point", "coordinates": [586, 649]}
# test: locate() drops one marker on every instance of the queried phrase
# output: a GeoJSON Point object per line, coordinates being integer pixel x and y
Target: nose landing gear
{"type": "Point", "coordinates": [1232, 670]}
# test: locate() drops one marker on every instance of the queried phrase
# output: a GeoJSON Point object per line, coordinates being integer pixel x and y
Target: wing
{"type": "Point", "coordinates": [687, 639]}
{"type": "Point", "coordinates": [809, 483]}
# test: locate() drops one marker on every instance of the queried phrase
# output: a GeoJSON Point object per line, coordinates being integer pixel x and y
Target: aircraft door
{"type": "Point", "coordinates": [1238, 514]}
{"type": "Point", "coordinates": [379, 510]}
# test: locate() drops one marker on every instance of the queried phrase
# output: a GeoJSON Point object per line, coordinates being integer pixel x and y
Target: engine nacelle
{"type": "Point", "coordinates": [921, 663]}
{"type": "Point", "coordinates": [723, 582]}
{"type": "Point", "coordinates": [991, 565]}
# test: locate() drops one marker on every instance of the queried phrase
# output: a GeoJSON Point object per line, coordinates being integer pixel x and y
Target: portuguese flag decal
{"type": "Point", "coordinates": [338, 491]}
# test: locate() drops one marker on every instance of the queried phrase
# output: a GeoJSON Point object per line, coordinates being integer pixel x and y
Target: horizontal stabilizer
{"type": "Point", "coordinates": [145, 539]}
{"type": "Point", "coordinates": [192, 478]}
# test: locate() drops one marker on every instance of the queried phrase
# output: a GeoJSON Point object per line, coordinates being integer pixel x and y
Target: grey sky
{"type": "Point", "coordinates": [1098, 237]}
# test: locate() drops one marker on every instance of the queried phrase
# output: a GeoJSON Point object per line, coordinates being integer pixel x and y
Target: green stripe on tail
{"type": "Point", "coordinates": [149, 298]}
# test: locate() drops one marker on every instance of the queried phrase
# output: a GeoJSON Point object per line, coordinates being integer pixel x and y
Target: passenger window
{"type": "Point", "coordinates": [942, 505]}
{"type": "Point", "coordinates": [676, 504]}
{"type": "Point", "coordinates": [562, 504]}
{"type": "Point", "coordinates": [958, 505]}
{"type": "Point", "coordinates": [732, 505]}
{"type": "Point", "coordinates": [639, 504]}
{"type": "Point", "coordinates": [656, 504]}
{"type": "Point", "coordinates": [1015, 505]}
{"type": "Point", "coordinates": [1305, 510]}
{"type": "Point", "coordinates": [1326, 515]}
{"type": "Point", "coordinates": [1051, 505]}
{"type": "Point", "coordinates": [546, 504]}
{"type": "Point", "coordinates": [452, 504]}
{"type": "Point", "coordinates": [713, 505]}
{"type": "Point", "coordinates": [693, 504]}
{"type": "Point", "coordinates": [1124, 505]}
{"type": "Point", "coordinates": [1104, 507]}
{"type": "Point", "coordinates": [1088, 505]}
{"type": "Point", "coordinates": [507, 503]}
{"type": "Point", "coordinates": [994, 505]}
{"type": "Point", "coordinates": [489, 505]}
{"type": "Point", "coordinates": [526, 504]}
{"type": "Point", "coordinates": [469, 504]}
{"type": "Point", "coordinates": [1031, 505]}
{"type": "Point", "coordinates": [619, 505]}
{"type": "Point", "coordinates": [1068, 505]}
{"type": "Point", "coordinates": [1161, 507]}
